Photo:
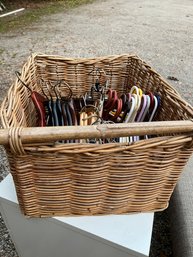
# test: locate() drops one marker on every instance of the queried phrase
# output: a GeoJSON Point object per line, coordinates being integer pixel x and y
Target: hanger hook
{"type": "Point", "coordinates": [67, 85]}
{"type": "Point", "coordinates": [56, 91]}
{"type": "Point", "coordinates": [18, 75]}
{"type": "Point", "coordinates": [43, 82]}
{"type": "Point", "coordinates": [48, 88]}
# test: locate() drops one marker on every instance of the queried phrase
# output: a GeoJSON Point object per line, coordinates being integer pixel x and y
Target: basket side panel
{"type": "Point", "coordinates": [173, 177]}
{"type": "Point", "coordinates": [81, 74]}
{"type": "Point", "coordinates": [22, 171]}
{"type": "Point", "coordinates": [17, 108]}
{"type": "Point", "coordinates": [75, 180]}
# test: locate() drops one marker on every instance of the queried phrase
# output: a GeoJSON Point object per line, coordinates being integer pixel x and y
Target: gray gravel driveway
{"type": "Point", "coordinates": [160, 32]}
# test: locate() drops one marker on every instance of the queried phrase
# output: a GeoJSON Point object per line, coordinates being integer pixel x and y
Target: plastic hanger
{"type": "Point", "coordinates": [58, 106]}
{"type": "Point", "coordinates": [113, 115]}
{"type": "Point", "coordinates": [53, 105]}
{"type": "Point", "coordinates": [67, 104]}
{"type": "Point", "coordinates": [48, 107]}
{"type": "Point", "coordinates": [143, 111]}
{"type": "Point", "coordinates": [129, 116]}
{"type": "Point", "coordinates": [142, 108]}
{"type": "Point", "coordinates": [131, 110]}
{"type": "Point", "coordinates": [137, 91]}
{"type": "Point", "coordinates": [126, 107]}
{"type": "Point", "coordinates": [112, 99]}
{"type": "Point", "coordinates": [146, 108]}
{"type": "Point", "coordinates": [154, 109]}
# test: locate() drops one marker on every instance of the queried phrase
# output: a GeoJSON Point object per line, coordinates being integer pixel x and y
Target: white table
{"type": "Point", "coordinates": [95, 236]}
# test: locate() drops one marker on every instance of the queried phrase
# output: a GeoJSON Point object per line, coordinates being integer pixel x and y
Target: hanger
{"type": "Point", "coordinates": [130, 117]}
{"type": "Point", "coordinates": [154, 109]}
{"type": "Point", "coordinates": [131, 110]}
{"type": "Point", "coordinates": [112, 94]}
{"type": "Point", "coordinates": [116, 110]}
{"type": "Point", "coordinates": [142, 108]}
{"type": "Point", "coordinates": [126, 107]}
{"type": "Point", "coordinates": [58, 105]}
{"type": "Point", "coordinates": [48, 107]}
{"type": "Point", "coordinates": [111, 102]}
{"type": "Point", "coordinates": [146, 108]}
{"type": "Point", "coordinates": [152, 115]}
{"type": "Point", "coordinates": [89, 115]}
{"type": "Point", "coordinates": [137, 91]}
{"type": "Point", "coordinates": [158, 103]}
{"type": "Point", "coordinates": [52, 104]}
{"type": "Point", "coordinates": [145, 104]}
{"type": "Point", "coordinates": [67, 104]}
{"type": "Point", "coordinates": [101, 79]}
{"type": "Point", "coordinates": [136, 96]}
{"type": "Point", "coordinates": [38, 101]}
{"type": "Point", "coordinates": [99, 103]}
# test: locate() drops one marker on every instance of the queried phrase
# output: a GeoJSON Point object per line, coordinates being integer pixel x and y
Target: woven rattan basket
{"type": "Point", "coordinates": [88, 179]}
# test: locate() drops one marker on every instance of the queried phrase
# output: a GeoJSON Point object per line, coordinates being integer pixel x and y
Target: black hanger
{"type": "Point", "coordinates": [58, 105]}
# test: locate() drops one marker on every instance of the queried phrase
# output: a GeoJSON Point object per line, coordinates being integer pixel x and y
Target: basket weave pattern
{"type": "Point", "coordinates": [86, 179]}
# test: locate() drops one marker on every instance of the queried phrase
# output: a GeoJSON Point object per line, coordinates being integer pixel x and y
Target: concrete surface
{"type": "Point", "coordinates": [181, 214]}
{"type": "Point", "coordinates": [160, 32]}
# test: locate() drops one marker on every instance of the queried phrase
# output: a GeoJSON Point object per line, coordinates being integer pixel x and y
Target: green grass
{"type": "Point", "coordinates": [30, 16]}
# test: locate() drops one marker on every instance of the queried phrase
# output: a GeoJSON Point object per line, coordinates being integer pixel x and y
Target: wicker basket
{"type": "Point", "coordinates": [89, 179]}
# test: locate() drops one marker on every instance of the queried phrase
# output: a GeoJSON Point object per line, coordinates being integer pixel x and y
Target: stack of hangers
{"type": "Point", "coordinates": [57, 107]}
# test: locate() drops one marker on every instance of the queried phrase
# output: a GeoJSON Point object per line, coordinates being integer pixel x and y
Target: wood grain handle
{"type": "Point", "coordinates": [50, 134]}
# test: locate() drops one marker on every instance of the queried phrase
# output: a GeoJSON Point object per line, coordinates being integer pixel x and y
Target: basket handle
{"type": "Point", "coordinates": [18, 136]}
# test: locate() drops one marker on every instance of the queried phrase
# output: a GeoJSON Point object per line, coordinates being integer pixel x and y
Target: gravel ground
{"type": "Point", "coordinates": [160, 32]}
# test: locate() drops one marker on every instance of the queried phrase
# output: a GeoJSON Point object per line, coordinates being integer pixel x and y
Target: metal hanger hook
{"type": "Point", "coordinates": [18, 75]}
{"type": "Point", "coordinates": [67, 86]}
